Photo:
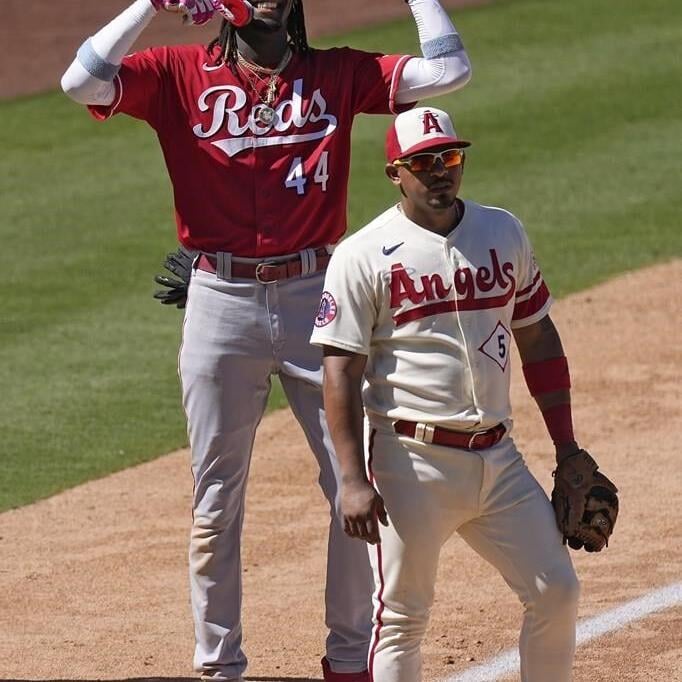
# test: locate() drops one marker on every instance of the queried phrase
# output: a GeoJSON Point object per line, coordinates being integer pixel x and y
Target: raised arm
{"type": "Point", "coordinates": [90, 77]}
{"type": "Point", "coordinates": [445, 65]}
{"type": "Point", "coordinates": [361, 505]}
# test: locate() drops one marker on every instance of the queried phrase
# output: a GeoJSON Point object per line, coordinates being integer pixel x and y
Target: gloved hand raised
{"type": "Point", "coordinates": [199, 12]}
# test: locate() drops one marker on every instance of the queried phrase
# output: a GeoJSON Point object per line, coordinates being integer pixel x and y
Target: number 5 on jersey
{"type": "Point", "coordinates": [297, 179]}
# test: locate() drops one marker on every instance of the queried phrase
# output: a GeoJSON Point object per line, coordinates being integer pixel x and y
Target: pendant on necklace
{"type": "Point", "coordinates": [264, 114]}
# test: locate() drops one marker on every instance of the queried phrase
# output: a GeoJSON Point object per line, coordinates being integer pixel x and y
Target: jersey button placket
{"type": "Point", "coordinates": [454, 259]}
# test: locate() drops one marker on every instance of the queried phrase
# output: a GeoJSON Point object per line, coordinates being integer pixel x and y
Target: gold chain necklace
{"type": "Point", "coordinates": [263, 112]}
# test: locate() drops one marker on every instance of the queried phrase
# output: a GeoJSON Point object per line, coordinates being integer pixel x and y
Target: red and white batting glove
{"type": "Point", "coordinates": [194, 12]}
{"type": "Point", "coordinates": [237, 12]}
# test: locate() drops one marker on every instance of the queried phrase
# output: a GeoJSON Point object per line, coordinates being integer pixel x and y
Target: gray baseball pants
{"type": "Point", "coordinates": [237, 334]}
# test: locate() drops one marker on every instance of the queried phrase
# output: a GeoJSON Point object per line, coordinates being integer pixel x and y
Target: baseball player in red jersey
{"type": "Point", "coordinates": [422, 304]}
{"type": "Point", "coordinates": [255, 132]}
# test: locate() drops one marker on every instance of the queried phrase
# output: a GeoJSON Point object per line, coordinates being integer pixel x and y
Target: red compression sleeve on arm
{"type": "Point", "coordinates": [548, 376]}
{"type": "Point", "coordinates": [559, 423]}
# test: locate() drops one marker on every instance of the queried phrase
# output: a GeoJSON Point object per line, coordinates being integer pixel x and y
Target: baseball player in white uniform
{"type": "Point", "coordinates": [423, 303]}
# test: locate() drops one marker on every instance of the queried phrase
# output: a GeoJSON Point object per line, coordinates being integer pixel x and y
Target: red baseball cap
{"type": "Point", "coordinates": [419, 130]}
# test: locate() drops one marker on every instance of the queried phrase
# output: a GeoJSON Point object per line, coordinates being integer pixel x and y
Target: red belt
{"type": "Point", "coordinates": [427, 433]}
{"type": "Point", "coordinates": [266, 271]}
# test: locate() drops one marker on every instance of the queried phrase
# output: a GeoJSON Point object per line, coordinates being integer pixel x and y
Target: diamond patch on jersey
{"type": "Point", "coordinates": [496, 346]}
{"type": "Point", "coordinates": [327, 310]}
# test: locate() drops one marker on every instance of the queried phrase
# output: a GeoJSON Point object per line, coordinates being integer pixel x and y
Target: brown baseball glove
{"type": "Point", "coordinates": [585, 502]}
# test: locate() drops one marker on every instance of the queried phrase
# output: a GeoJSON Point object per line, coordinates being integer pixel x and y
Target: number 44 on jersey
{"type": "Point", "coordinates": [297, 179]}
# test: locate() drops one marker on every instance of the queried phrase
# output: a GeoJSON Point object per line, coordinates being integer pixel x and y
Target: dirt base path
{"type": "Point", "coordinates": [93, 581]}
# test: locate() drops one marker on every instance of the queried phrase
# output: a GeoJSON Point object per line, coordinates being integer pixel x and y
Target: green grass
{"type": "Point", "coordinates": [574, 115]}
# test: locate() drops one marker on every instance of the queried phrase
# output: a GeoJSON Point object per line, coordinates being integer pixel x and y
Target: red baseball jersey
{"type": "Point", "coordinates": [240, 185]}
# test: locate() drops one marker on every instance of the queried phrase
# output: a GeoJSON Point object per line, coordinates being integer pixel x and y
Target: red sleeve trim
{"type": "Point", "coordinates": [529, 288]}
{"type": "Point", "coordinates": [532, 305]}
{"type": "Point", "coordinates": [395, 82]}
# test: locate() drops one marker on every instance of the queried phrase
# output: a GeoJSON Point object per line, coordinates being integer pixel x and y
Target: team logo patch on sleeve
{"type": "Point", "coordinates": [327, 310]}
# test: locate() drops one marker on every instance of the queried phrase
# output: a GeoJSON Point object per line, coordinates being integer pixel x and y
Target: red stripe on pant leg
{"type": "Point", "coordinates": [371, 456]}
{"type": "Point", "coordinates": [380, 610]}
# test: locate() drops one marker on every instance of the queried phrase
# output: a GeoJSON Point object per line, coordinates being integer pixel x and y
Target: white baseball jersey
{"type": "Point", "coordinates": [433, 314]}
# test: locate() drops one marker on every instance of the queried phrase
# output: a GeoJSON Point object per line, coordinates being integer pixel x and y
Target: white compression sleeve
{"type": "Point", "coordinates": [89, 79]}
{"type": "Point", "coordinates": [445, 65]}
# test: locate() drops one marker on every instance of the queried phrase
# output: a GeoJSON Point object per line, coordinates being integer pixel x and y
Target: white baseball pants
{"type": "Point", "coordinates": [491, 499]}
{"type": "Point", "coordinates": [236, 335]}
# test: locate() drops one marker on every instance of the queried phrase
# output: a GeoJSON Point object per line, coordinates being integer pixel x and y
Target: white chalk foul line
{"type": "Point", "coordinates": [507, 662]}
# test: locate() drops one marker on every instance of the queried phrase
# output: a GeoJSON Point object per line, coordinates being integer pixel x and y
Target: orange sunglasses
{"type": "Point", "coordinates": [426, 161]}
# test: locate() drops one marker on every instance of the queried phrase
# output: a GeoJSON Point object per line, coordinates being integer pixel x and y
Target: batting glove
{"type": "Point", "coordinates": [180, 264]}
{"type": "Point", "coordinates": [237, 12]}
{"type": "Point", "coordinates": [194, 12]}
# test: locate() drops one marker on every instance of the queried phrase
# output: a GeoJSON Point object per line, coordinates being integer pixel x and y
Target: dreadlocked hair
{"type": "Point", "coordinates": [227, 38]}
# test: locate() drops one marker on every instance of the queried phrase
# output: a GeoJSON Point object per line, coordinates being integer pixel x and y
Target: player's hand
{"type": "Point", "coordinates": [363, 509]}
{"type": "Point", "coordinates": [194, 12]}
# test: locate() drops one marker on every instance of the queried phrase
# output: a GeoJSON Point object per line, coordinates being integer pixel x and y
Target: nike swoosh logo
{"type": "Point", "coordinates": [389, 251]}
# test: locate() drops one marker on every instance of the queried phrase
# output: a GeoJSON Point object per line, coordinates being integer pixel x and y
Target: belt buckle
{"type": "Point", "coordinates": [259, 270]}
{"type": "Point", "coordinates": [475, 435]}
{"type": "Point", "coordinates": [424, 432]}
